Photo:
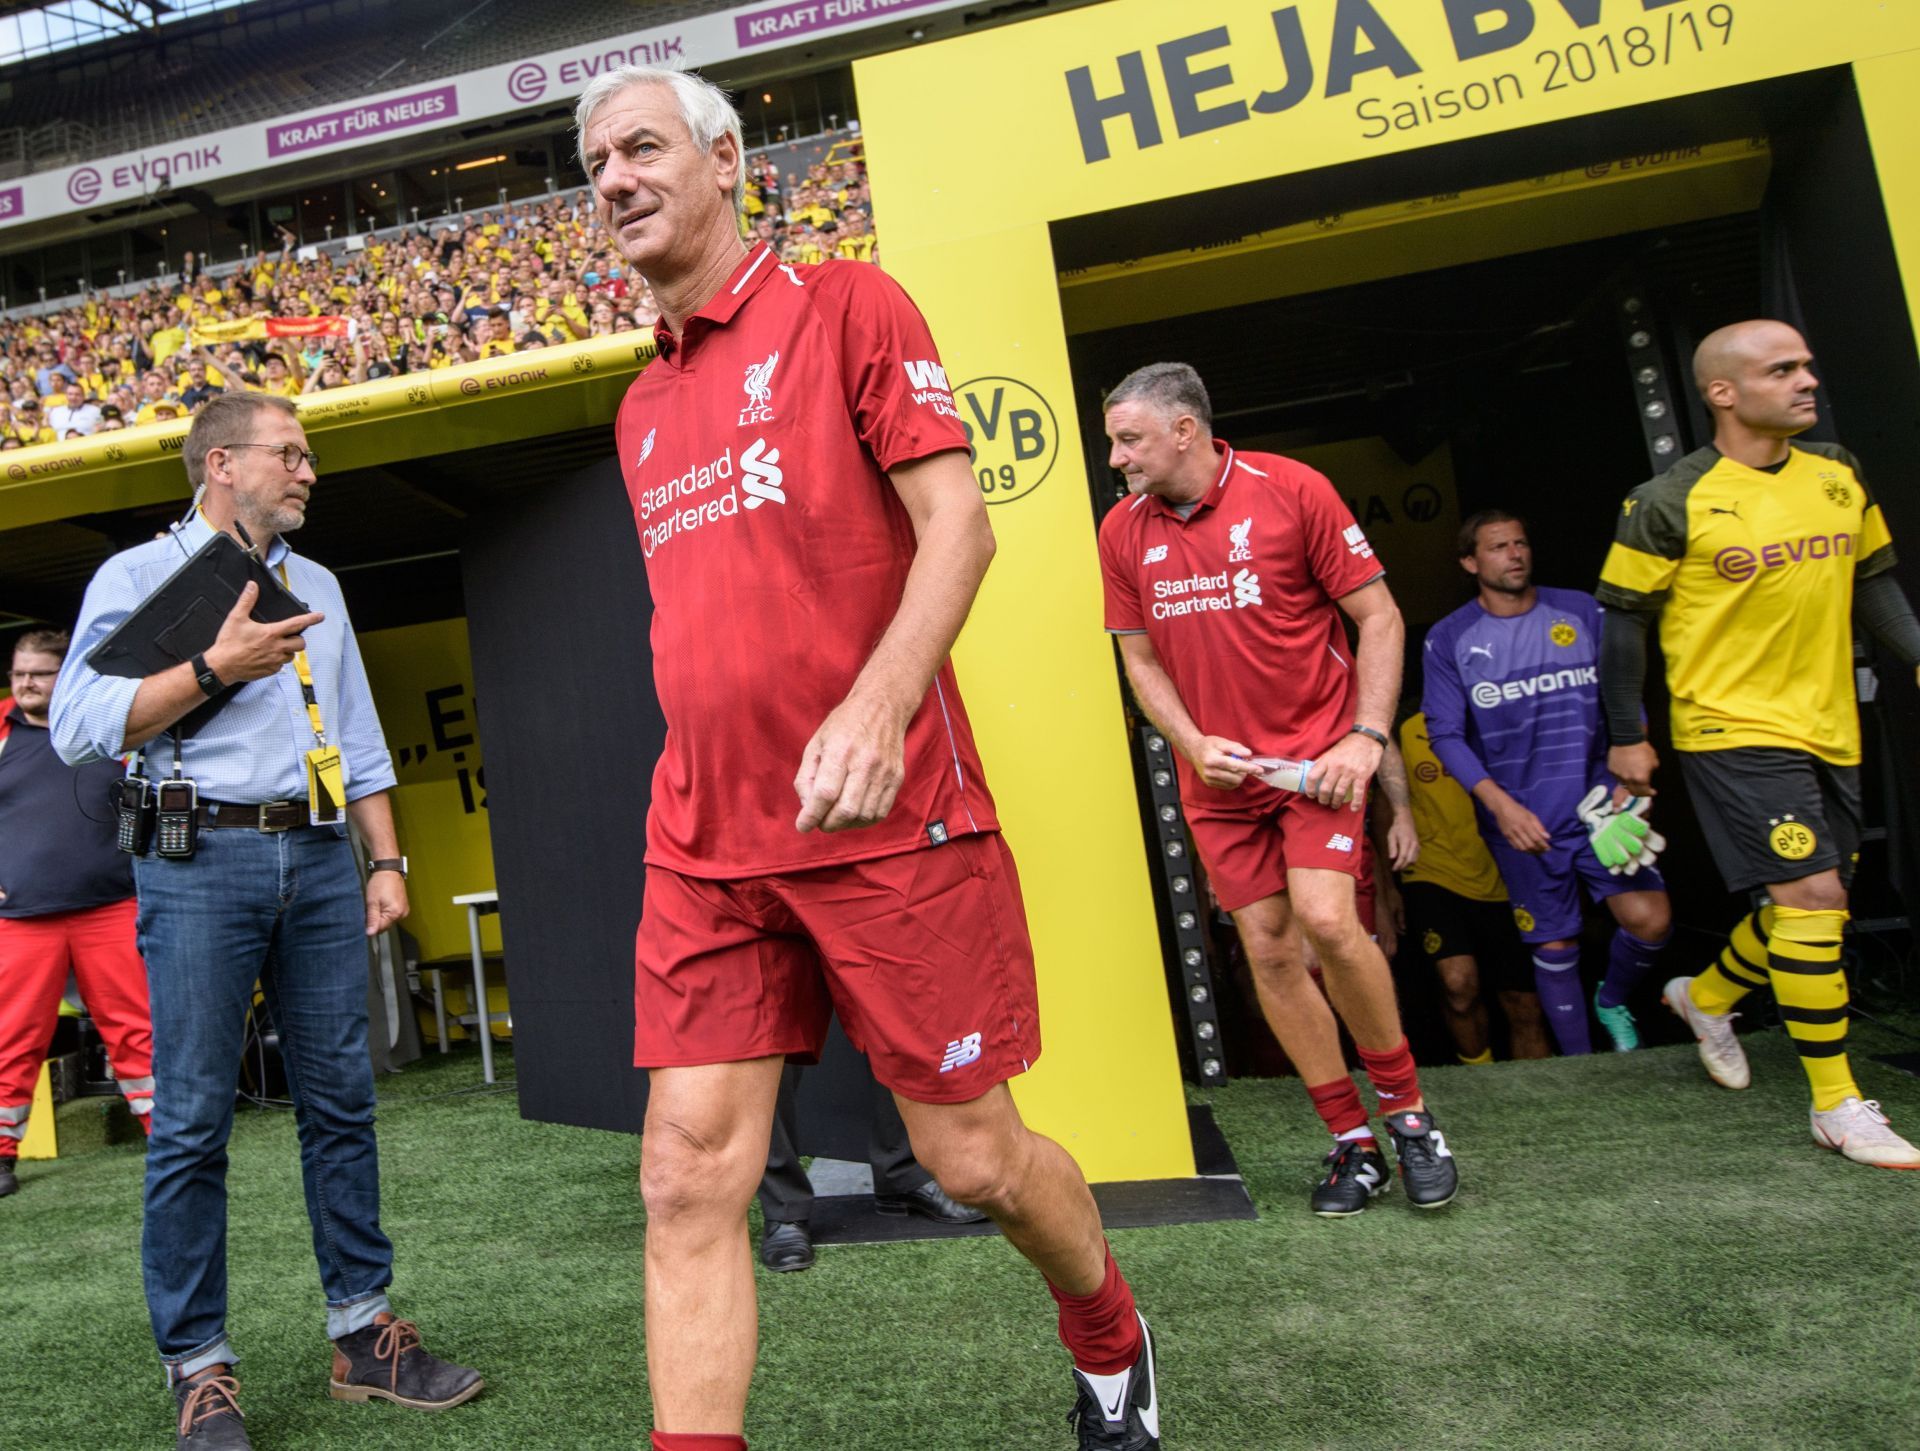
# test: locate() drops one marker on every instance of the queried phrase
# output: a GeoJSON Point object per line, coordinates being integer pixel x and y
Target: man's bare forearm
{"type": "Point", "coordinates": [372, 816]}
{"type": "Point", "coordinates": [161, 700]}
{"type": "Point", "coordinates": [1159, 699]}
{"type": "Point", "coordinates": [1377, 661]}
{"type": "Point", "coordinates": [1392, 777]}
{"type": "Point", "coordinates": [955, 547]}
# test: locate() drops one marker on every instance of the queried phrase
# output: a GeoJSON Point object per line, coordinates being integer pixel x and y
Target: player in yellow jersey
{"type": "Point", "coordinates": [1756, 555]}
{"type": "Point", "coordinates": [1457, 911]}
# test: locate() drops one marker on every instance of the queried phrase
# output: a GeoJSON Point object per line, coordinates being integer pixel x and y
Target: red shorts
{"type": "Point", "coordinates": [924, 955]}
{"type": "Point", "coordinates": [1247, 852]}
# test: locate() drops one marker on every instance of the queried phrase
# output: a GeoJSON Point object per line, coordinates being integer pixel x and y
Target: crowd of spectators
{"type": "Point", "coordinates": [515, 278]}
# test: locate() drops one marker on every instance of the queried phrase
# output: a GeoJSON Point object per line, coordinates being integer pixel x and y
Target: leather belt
{"type": "Point", "coordinates": [266, 816]}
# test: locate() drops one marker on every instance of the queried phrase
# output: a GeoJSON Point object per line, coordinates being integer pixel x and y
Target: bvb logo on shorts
{"type": "Point", "coordinates": [1523, 919]}
{"type": "Point", "coordinates": [1562, 634]}
{"type": "Point", "coordinates": [1791, 839]}
{"type": "Point", "coordinates": [1431, 943]}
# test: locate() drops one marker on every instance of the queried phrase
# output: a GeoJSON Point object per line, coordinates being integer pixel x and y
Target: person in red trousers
{"type": "Point", "coordinates": [66, 905]}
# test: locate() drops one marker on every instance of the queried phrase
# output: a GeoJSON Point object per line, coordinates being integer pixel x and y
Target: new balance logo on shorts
{"type": "Point", "coordinates": [1337, 842]}
{"type": "Point", "coordinates": [960, 1053]}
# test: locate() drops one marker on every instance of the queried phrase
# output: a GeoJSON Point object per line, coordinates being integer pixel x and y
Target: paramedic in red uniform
{"type": "Point", "coordinates": [820, 836]}
{"type": "Point", "coordinates": [1226, 574]}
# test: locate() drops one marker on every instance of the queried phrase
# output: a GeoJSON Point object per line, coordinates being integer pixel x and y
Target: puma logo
{"type": "Point", "coordinates": [1735, 510]}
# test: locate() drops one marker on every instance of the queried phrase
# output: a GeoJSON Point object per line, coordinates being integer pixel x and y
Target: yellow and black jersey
{"type": "Point", "coordinates": [1452, 853]}
{"type": "Point", "coordinates": [1752, 574]}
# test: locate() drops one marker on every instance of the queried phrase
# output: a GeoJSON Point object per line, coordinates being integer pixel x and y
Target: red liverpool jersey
{"type": "Point", "coordinates": [755, 451]}
{"type": "Point", "coordinates": [1238, 600]}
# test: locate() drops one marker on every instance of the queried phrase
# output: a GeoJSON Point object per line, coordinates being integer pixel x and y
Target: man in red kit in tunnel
{"type": "Point", "coordinates": [1226, 575]}
{"type": "Point", "coordinates": [821, 837]}
{"type": "Point", "coordinates": [66, 905]}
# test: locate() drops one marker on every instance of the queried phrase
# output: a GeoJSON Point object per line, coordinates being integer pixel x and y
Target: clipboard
{"type": "Point", "coordinates": [183, 617]}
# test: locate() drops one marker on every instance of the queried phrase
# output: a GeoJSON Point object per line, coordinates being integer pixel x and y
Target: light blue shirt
{"type": "Point", "coordinates": [255, 748]}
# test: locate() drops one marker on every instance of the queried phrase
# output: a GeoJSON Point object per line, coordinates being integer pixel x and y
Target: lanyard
{"type": "Point", "coordinates": [304, 669]}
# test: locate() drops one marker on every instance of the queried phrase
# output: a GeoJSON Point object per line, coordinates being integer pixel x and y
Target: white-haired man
{"type": "Point", "coordinates": [798, 471]}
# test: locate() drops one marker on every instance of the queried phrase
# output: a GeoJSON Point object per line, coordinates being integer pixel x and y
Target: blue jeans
{"type": "Point", "coordinates": [285, 908]}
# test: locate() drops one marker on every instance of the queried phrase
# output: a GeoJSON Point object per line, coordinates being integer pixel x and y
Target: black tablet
{"type": "Point", "coordinates": [184, 616]}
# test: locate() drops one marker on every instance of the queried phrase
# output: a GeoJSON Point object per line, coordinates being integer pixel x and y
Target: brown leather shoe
{"type": "Point", "coordinates": [385, 1361]}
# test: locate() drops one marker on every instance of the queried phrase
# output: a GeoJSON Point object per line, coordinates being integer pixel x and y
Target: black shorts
{"type": "Point", "coordinates": [1445, 924]}
{"type": "Point", "coordinates": [1773, 815]}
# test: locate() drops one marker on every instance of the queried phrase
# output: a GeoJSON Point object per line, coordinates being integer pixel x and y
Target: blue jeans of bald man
{"type": "Point", "coordinates": [285, 908]}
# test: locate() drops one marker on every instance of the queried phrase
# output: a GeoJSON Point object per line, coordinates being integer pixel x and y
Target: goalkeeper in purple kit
{"type": "Point", "coordinates": [1512, 699]}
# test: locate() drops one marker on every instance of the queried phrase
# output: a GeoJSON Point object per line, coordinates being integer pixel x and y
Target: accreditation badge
{"type": "Point", "coordinates": [326, 786]}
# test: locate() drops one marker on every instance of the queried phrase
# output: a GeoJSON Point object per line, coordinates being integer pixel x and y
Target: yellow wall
{"type": "Point", "coordinates": [1890, 99]}
{"type": "Point", "coordinates": [422, 678]}
{"type": "Point", "coordinates": [974, 148]}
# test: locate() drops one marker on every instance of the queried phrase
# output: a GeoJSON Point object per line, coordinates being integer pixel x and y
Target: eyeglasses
{"type": "Point", "coordinates": [290, 454]}
{"type": "Point", "coordinates": [35, 674]}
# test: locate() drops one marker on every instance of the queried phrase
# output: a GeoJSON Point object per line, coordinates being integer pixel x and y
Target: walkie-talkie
{"type": "Point", "coordinates": [133, 811]}
{"type": "Point", "coordinates": [175, 829]}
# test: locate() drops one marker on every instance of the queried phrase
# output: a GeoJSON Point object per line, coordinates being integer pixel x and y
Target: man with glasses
{"type": "Point", "coordinates": [66, 905]}
{"type": "Point", "coordinates": [270, 892]}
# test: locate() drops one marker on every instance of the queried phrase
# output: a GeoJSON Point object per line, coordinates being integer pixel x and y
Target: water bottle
{"type": "Point", "coordinates": [1281, 773]}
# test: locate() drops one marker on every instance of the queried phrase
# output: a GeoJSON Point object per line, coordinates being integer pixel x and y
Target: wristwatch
{"type": "Point", "coordinates": [1368, 731]}
{"type": "Point", "coordinates": [388, 864]}
{"type": "Point", "coordinates": [210, 684]}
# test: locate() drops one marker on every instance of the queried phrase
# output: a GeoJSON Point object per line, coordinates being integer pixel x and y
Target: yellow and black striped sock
{"type": "Point", "coordinates": [1742, 966]}
{"type": "Point", "coordinates": [1810, 986]}
{"type": "Point", "coordinates": [1484, 1056]}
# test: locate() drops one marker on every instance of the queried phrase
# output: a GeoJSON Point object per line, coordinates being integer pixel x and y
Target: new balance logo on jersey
{"type": "Point", "coordinates": [646, 447]}
{"type": "Point", "coordinates": [761, 475]}
{"type": "Point", "coordinates": [1357, 542]}
{"type": "Point", "coordinates": [1237, 535]}
{"type": "Point", "coordinates": [1337, 842]}
{"type": "Point", "coordinates": [1155, 554]}
{"type": "Point", "coordinates": [960, 1053]}
{"type": "Point", "coordinates": [1246, 589]}
{"type": "Point", "coordinates": [759, 387]}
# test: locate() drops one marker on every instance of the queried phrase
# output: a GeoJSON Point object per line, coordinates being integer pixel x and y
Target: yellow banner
{"type": "Point", "coordinates": [1132, 101]}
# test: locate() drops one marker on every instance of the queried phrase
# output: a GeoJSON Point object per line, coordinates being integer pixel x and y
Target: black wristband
{"type": "Point", "coordinates": [1369, 732]}
{"type": "Point", "coordinates": [209, 683]}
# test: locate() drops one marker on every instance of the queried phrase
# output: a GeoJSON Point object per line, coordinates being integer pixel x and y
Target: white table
{"type": "Point", "coordinates": [480, 1018]}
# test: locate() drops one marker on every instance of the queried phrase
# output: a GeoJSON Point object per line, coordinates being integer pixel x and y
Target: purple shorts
{"type": "Point", "coordinates": [1544, 887]}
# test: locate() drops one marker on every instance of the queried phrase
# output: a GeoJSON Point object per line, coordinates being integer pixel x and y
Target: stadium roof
{"type": "Point", "coordinates": [29, 29]}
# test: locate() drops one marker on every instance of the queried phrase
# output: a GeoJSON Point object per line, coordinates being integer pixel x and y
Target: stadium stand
{"type": "Point", "coordinates": [231, 67]}
{"type": "Point", "coordinates": [504, 279]}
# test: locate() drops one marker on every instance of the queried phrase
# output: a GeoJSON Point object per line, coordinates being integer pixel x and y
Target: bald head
{"type": "Point", "coordinates": [1728, 352]}
{"type": "Point", "coordinates": [1758, 375]}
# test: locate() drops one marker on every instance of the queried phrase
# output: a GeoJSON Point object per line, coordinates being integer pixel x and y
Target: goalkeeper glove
{"type": "Point", "coordinates": [1622, 840]}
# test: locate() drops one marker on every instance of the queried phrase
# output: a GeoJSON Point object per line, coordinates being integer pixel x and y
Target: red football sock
{"type": "Point", "coordinates": [1339, 1106]}
{"type": "Point", "coordinates": [1394, 1077]}
{"type": "Point", "coordinates": [1101, 1331]}
{"type": "Point", "coordinates": [696, 1441]}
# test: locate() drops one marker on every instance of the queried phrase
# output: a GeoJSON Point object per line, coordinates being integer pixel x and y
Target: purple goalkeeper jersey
{"type": "Point", "coordinates": [1518, 699]}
